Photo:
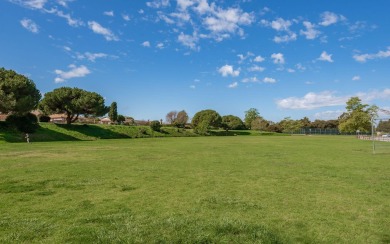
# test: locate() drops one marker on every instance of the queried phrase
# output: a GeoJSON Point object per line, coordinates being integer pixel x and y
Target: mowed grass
{"type": "Point", "coordinates": [242, 189]}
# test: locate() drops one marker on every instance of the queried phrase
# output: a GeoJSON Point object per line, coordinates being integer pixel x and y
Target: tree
{"type": "Point", "coordinates": [205, 119]}
{"type": "Point", "coordinates": [113, 113]}
{"type": "Point", "coordinates": [171, 117]}
{"type": "Point", "coordinates": [306, 122]}
{"type": "Point", "coordinates": [181, 119]}
{"type": "Point", "coordinates": [27, 123]}
{"type": "Point", "coordinates": [18, 94]}
{"type": "Point", "coordinates": [384, 126]}
{"type": "Point", "coordinates": [251, 115]}
{"type": "Point", "coordinates": [155, 125]}
{"type": "Point", "coordinates": [73, 102]}
{"type": "Point", "coordinates": [231, 122]}
{"type": "Point", "coordinates": [289, 126]}
{"type": "Point", "coordinates": [259, 124]}
{"type": "Point", "coordinates": [357, 117]}
{"type": "Point", "coordinates": [121, 119]}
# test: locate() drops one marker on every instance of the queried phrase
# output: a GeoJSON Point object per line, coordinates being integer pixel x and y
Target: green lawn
{"type": "Point", "coordinates": [253, 189]}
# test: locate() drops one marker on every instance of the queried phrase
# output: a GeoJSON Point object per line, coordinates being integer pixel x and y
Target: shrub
{"type": "Point", "coordinates": [155, 125]}
{"type": "Point", "coordinates": [27, 123]}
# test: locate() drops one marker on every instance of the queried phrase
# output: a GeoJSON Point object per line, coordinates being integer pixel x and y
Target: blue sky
{"type": "Point", "coordinates": [285, 58]}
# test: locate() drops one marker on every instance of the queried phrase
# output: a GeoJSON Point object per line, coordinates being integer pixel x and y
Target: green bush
{"type": "Point", "coordinates": [27, 123]}
{"type": "Point", "coordinates": [155, 125]}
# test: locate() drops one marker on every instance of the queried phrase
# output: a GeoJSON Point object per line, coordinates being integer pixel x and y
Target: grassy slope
{"type": "Point", "coordinates": [199, 189]}
{"type": "Point", "coordinates": [76, 132]}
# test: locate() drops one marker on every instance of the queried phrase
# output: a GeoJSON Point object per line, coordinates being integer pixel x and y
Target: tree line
{"type": "Point", "coordinates": [19, 96]}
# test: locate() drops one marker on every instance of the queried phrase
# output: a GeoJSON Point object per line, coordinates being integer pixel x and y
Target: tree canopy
{"type": "Point", "coordinates": [250, 116]}
{"type": "Point", "coordinates": [113, 113]}
{"type": "Point", "coordinates": [73, 102]}
{"type": "Point", "coordinates": [358, 116]}
{"type": "Point", "coordinates": [203, 120]}
{"type": "Point", "coordinates": [231, 122]}
{"type": "Point", "coordinates": [18, 94]}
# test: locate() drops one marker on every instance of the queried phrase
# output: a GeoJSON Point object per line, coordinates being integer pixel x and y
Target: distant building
{"type": "Point", "coordinates": [105, 121]}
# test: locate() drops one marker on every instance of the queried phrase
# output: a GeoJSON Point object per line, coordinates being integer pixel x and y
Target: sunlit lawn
{"type": "Point", "coordinates": [307, 189]}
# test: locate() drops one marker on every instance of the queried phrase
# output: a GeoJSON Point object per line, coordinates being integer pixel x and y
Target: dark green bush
{"type": "Point", "coordinates": [155, 125]}
{"type": "Point", "coordinates": [27, 123]}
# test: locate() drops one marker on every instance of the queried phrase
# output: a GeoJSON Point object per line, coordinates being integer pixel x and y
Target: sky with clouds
{"type": "Point", "coordinates": [285, 58]}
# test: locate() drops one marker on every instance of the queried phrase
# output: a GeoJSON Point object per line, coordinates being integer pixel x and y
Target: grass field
{"type": "Point", "coordinates": [241, 189]}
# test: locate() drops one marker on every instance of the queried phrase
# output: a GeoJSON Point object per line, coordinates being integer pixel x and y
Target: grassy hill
{"type": "Point", "coordinates": [83, 132]}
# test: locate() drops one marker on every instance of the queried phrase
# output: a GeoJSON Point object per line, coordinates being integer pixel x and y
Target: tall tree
{"type": "Point", "coordinates": [113, 113]}
{"type": "Point", "coordinates": [181, 119]}
{"type": "Point", "coordinates": [259, 124]}
{"type": "Point", "coordinates": [73, 102]}
{"type": "Point", "coordinates": [289, 126]}
{"type": "Point", "coordinates": [250, 116]}
{"type": "Point", "coordinates": [171, 117]}
{"type": "Point", "coordinates": [357, 117]}
{"type": "Point", "coordinates": [18, 94]}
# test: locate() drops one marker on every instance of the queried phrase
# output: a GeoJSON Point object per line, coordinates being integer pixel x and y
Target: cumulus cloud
{"type": "Point", "coordinates": [328, 115]}
{"type": "Point", "coordinates": [329, 18]}
{"type": "Point", "coordinates": [98, 29]}
{"type": "Point", "coordinates": [362, 58]}
{"type": "Point", "coordinates": [258, 59]}
{"type": "Point", "coordinates": [281, 25]}
{"type": "Point", "coordinates": [74, 72]}
{"type": "Point", "coordinates": [30, 25]}
{"type": "Point", "coordinates": [233, 85]}
{"type": "Point", "coordinates": [278, 58]}
{"type": "Point", "coordinates": [146, 44]}
{"type": "Point", "coordinates": [310, 33]}
{"type": "Point", "coordinates": [189, 40]}
{"type": "Point", "coordinates": [125, 17]}
{"type": "Point", "coordinates": [314, 100]}
{"type": "Point", "coordinates": [72, 22]}
{"type": "Point", "coordinates": [227, 70]}
{"type": "Point", "coordinates": [325, 57]}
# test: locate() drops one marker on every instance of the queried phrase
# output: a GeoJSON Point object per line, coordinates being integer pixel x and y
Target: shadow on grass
{"type": "Point", "coordinates": [229, 133]}
{"type": "Point", "coordinates": [94, 131]}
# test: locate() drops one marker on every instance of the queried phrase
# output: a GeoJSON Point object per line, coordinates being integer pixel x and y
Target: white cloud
{"type": "Point", "coordinates": [92, 56]}
{"type": "Point", "coordinates": [278, 58]}
{"type": "Point", "coordinates": [223, 22]}
{"type": "Point", "coordinates": [291, 36]}
{"type": "Point", "coordinates": [203, 7]}
{"type": "Point", "coordinates": [256, 68]}
{"type": "Point", "coordinates": [188, 40]}
{"type": "Point", "coordinates": [160, 45]}
{"type": "Point", "coordinates": [146, 44]}
{"type": "Point", "coordinates": [328, 115]}
{"type": "Point", "coordinates": [252, 79]}
{"type": "Point", "coordinates": [227, 70]}
{"type": "Point", "coordinates": [109, 13]}
{"type": "Point", "coordinates": [69, 19]}
{"type": "Point", "coordinates": [30, 25]}
{"type": "Point", "coordinates": [325, 57]}
{"type": "Point", "coordinates": [233, 85]}
{"type": "Point", "coordinates": [192, 86]}
{"type": "Point", "coordinates": [281, 25]}
{"type": "Point", "coordinates": [310, 33]}
{"type": "Point", "coordinates": [126, 17]}
{"type": "Point", "coordinates": [184, 4]}
{"type": "Point", "coordinates": [64, 3]}
{"type": "Point", "coordinates": [364, 57]}
{"type": "Point", "coordinates": [329, 18]}
{"type": "Point", "coordinates": [289, 70]}
{"type": "Point", "coordinates": [269, 80]}
{"type": "Point", "coordinates": [158, 4]}
{"type": "Point", "coordinates": [98, 29]}
{"type": "Point", "coordinates": [356, 77]}
{"type": "Point", "coordinates": [74, 72]}
{"type": "Point", "coordinates": [258, 59]}
{"type": "Point", "coordinates": [34, 4]}
{"type": "Point", "coordinates": [314, 100]}
{"type": "Point", "coordinates": [300, 67]}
